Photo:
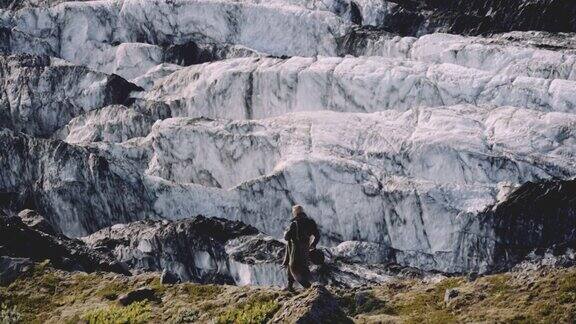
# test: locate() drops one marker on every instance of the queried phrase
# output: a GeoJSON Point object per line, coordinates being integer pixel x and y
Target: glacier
{"type": "Point", "coordinates": [407, 144]}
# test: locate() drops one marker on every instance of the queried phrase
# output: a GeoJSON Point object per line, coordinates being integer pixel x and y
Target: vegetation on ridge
{"type": "Point", "coordinates": [46, 295]}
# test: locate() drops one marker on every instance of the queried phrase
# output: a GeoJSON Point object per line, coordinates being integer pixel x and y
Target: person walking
{"type": "Point", "coordinates": [302, 237]}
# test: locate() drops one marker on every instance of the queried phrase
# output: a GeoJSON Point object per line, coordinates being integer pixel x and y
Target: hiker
{"type": "Point", "coordinates": [299, 244]}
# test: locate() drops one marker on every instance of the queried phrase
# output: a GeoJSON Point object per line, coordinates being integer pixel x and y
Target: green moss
{"type": "Point", "coordinates": [369, 305]}
{"type": "Point", "coordinates": [498, 284]}
{"type": "Point", "coordinates": [157, 286]}
{"type": "Point", "coordinates": [201, 292]}
{"type": "Point", "coordinates": [77, 288]}
{"type": "Point", "coordinates": [250, 313]}
{"type": "Point", "coordinates": [445, 284]}
{"type": "Point", "coordinates": [31, 304]}
{"type": "Point", "coordinates": [138, 312]}
{"type": "Point", "coordinates": [522, 319]}
{"type": "Point", "coordinates": [567, 298]}
{"type": "Point", "coordinates": [428, 306]}
{"type": "Point", "coordinates": [187, 315]}
{"type": "Point", "coordinates": [49, 281]}
{"type": "Point", "coordinates": [424, 308]}
{"type": "Point", "coordinates": [112, 290]}
{"type": "Point", "coordinates": [567, 283]}
{"type": "Point", "coordinates": [32, 294]}
{"type": "Point", "coordinates": [9, 315]}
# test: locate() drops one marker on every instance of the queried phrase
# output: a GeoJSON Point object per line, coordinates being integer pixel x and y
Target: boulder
{"type": "Point", "coordinates": [450, 294]}
{"type": "Point", "coordinates": [315, 305]}
{"type": "Point", "coordinates": [168, 278]}
{"type": "Point", "coordinates": [137, 295]}
{"type": "Point", "coordinates": [12, 268]}
{"type": "Point", "coordinates": [36, 221]}
{"type": "Point", "coordinates": [18, 240]}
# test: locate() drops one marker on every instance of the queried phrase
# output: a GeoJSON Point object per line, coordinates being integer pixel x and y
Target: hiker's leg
{"type": "Point", "coordinates": [290, 286]}
{"type": "Point", "coordinates": [302, 276]}
{"type": "Point", "coordinates": [305, 278]}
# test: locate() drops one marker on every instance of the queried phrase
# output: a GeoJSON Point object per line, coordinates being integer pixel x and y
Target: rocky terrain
{"type": "Point", "coordinates": [425, 138]}
{"type": "Point", "coordinates": [45, 295]}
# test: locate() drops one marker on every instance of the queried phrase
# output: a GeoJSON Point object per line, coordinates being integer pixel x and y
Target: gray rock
{"type": "Point", "coordinates": [20, 241]}
{"type": "Point", "coordinates": [314, 305]}
{"type": "Point", "coordinates": [74, 188]}
{"type": "Point", "coordinates": [168, 278]}
{"type": "Point", "coordinates": [215, 250]}
{"type": "Point", "coordinates": [12, 268]}
{"type": "Point", "coordinates": [190, 249]}
{"type": "Point", "coordinates": [137, 295]}
{"type": "Point", "coordinates": [35, 221]}
{"type": "Point", "coordinates": [450, 294]}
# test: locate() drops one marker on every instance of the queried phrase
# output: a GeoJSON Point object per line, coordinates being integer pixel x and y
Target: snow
{"type": "Point", "coordinates": [248, 88]}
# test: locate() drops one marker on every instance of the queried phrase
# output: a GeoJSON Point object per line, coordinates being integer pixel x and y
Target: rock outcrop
{"type": "Point", "coordinates": [536, 218]}
{"type": "Point", "coordinates": [12, 268]}
{"type": "Point", "coordinates": [192, 249]}
{"type": "Point", "coordinates": [316, 305]}
{"type": "Point", "coordinates": [21, 244]}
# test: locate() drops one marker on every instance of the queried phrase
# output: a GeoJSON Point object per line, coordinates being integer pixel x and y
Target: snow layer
{"type": "Point", "coordinates": [459, 144]}
{"type": "Point", "coordinates": [131, 37]}
{"type": "Point", "coordinates": [263, 87]}
{"type": "Point", "coordinates": [97, 23]}
{"type": "Point", "coordinates": [112, 124]}
{"type": "Point", "coordinates": [489, 54]}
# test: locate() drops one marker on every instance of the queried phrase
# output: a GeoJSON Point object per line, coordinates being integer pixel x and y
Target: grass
{"type": "Point", "coordinates": [48, 295]}
{"type": "Point", "coordinates": [32, 299]}
{"type": "Point", "coordinates": [112, 290]}
{"type": "Point", "coordinates": [188, 315]}
{"type": "Point", "coordinates": [369, 305]}
{"type": "Point", "coordinates": [252, 312]}
{"type": "Point", "coordinates": [139, 312]}
{"type": "Point", "coordinates": [9, 315]}
{"type": "Point", "coordinates": [547, 297]}
{"type": "Point", "coordinates": [427, 306]}
{"type": "Point", "coordinates": [197, 292]}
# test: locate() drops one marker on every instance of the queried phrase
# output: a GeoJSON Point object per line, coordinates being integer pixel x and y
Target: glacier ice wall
{"type": "Point", "coordinates": [403, 143]}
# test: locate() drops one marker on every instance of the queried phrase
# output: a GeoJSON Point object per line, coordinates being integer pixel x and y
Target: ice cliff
{"type": "Point", "coordinates": [408, 145]}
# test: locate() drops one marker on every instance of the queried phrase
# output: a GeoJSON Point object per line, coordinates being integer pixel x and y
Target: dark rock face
{"type": "Point", "coordinates": [168, 278]}
{"type": "Point", "coordinates": [190, 249]}
{"type": "Point", "coordinates": [476, 17]}
{"type": "Point", "coordinates": [535, 217]}
{"type": "Point", "coordinates": [213, 250]}
{"type": "Point", "coordinates": [256, 249]}
{"type": "Point", "coordinates": [12, 268]}
{"type": "Point", "coordinates": [39, 97]}
{"type": "Point", "coordinates": [75, 189]}
{"type": "Point", "coordinates": [535, 221]}
{"type": "Point", "coordinates": [20, 241]}
{"type": "Point", "coordinates": [193, 53]}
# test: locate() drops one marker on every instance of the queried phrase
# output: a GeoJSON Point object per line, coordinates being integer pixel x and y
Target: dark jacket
{"type": "Point", "coordinates": [298, 238]}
